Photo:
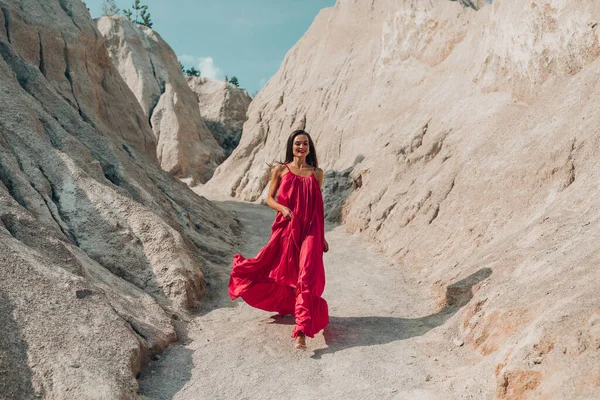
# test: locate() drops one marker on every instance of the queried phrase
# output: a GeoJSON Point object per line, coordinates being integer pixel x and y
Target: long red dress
{"type": "Point", "coordinates": [288, 275]}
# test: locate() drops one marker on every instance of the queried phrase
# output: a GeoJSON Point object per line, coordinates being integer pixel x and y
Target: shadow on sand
{"type": "Point", "coordinates": [174, 372]}
{"type": "Point", "coordinates": [346, 332]}
{"type": "Point", "coordinates": [15, 375]}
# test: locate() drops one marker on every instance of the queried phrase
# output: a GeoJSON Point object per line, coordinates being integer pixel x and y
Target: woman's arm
{"type": "Point", "coordinates": [320, 175]}
{"type": "Point", "coordinates": [273, 186]}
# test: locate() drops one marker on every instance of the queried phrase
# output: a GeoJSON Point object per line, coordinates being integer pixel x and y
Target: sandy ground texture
{"type": "Point", "coordinates": [386, 339]}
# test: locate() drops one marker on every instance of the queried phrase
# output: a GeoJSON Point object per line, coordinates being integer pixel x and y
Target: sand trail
{"type": "Point", "coordinates": [385, 340]}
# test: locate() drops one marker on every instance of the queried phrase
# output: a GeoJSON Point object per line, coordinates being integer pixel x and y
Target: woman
{"type": "Point", "coordinates": [288, 275]}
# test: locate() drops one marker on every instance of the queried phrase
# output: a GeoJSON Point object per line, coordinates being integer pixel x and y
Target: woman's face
{"type": "Point", "coordinates": [301, 147]}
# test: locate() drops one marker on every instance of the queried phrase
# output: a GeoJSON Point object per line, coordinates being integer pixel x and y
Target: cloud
{"type": "Point", "coordinates": [206, 65]}
{"type": "Point", "coordinates": [187, 59]}
{"type": "Point", "coordinates": [209, 69]}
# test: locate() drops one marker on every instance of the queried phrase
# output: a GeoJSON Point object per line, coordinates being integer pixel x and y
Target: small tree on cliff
{"type": "Point", "coordinates": [138, 14]}
{"type": "Point", "coordinates": [192, 72]}
{"type": "Point", "coordinates": [146, 21]}
{"type": "Point", "coordinates": [109, 8]}
{"type": "Point", "coordinates": [234, 81]}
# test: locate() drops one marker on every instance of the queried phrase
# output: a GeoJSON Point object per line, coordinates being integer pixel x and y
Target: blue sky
{"type": "Point", "coordinates": [245, 38]}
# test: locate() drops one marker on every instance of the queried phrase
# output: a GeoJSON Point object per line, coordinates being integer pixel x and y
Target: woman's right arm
{"type": "Point", "coordinates": [273, 186]}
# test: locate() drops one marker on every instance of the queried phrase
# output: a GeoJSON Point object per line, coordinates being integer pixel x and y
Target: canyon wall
{"type": "Point", "coordinates": [149, 66]}
{"type": "Point", "coordinates": [100, 249]}
{"type": "Point", "coordinates": [459, 138]}
{"type": "Point", "coordinates": [223, 107]}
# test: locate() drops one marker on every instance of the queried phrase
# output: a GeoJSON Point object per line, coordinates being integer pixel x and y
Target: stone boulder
{"type": "Point", "coordinates": [223, 107]}
{"type": "Point", "coordinates": [149, 66]}
{"type": "Point", "coordinates": [100, 249]}
{"type": "Point", "coordinates": [476, 134]}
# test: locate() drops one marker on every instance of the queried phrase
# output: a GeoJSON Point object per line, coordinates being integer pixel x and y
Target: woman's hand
{"type": "Point", "coordinates": [325, 247]}
{"type": "Point", "coordinates": [286, 212]}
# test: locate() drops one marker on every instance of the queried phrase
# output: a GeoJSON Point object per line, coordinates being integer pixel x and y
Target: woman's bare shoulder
{"type": "Point", "coordinates": [319, 172]}
{"type": "Point", "coordinates": [277, 170]}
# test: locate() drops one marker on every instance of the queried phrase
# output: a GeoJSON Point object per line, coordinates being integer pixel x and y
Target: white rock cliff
{"type": "Point", "coordinates": [468, 139]}
{"type": "Point", "coordinates": [185, 146]}
{"type": "Point", "coordinates": [99, 248]}
{"type": "Point", "coordinates": [223, 107]}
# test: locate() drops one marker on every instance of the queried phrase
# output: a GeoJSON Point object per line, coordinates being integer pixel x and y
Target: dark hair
{"type": "Point", "coordinates": [311, 158]}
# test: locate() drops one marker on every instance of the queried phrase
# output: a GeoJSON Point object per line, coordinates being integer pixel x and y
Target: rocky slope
{"type": "Point", "coordinates": [467, 138]}
{"type": "Point", "coordinates": [99, 248]}
{"type": "Point", "coordinates": [223, 107]}
{"type": "Point", "coordinates": [185, 147]}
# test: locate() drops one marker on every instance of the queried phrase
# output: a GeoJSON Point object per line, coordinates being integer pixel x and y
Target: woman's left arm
{"type": "Point", "coordinates": [320, 175]}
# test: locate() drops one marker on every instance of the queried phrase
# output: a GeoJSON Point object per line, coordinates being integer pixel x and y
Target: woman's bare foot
{"type": "Point", "coordinates": [301, 341]}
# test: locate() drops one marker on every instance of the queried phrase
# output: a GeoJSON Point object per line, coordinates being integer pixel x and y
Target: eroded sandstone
{"type": "Point", "coordinates": [475, 133]}
{"type": "Point", "coordinates": [223, 107]}
{"type": "Point", "coordinates": [149, 66]}
{"type": "Point", "coordinates": [99, 248]}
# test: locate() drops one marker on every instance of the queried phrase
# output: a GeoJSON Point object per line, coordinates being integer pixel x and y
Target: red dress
{"type": "Point", "coordinates": [288, 275]}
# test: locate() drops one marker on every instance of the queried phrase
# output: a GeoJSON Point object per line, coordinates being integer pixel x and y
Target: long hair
{"type": "Point", "coordinates": [311, 158]}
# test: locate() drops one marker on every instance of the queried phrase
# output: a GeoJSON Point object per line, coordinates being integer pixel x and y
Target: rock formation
{"type": "Point", "coordinates": [99, 248]}
{"type": "Point", "coordinates": [185, 147]}
{"type": "Point", "coordinates": [471, 138]}
{"type": "Point", "coordinates": [223, 107]}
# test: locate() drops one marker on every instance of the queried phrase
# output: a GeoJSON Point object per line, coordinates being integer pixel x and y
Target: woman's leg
{"type": "Point", "coordinates": [300, 341]}
{"type": "Point", "coordinates": [311, 309]}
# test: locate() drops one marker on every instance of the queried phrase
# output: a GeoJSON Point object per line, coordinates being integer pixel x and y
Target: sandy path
{"type": "Point", "coordinates": [384, 340]}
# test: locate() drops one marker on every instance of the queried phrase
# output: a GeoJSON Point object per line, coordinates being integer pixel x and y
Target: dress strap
{"type": "Point", "coordinates": [288, 168]}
